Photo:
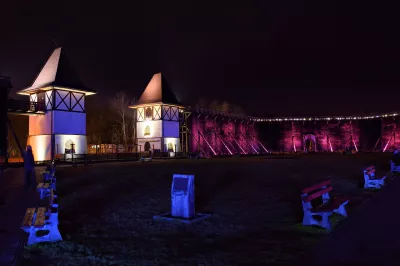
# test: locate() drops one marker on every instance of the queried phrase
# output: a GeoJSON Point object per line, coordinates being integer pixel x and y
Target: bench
{"type": "Point", "coordinates": [41, 223]}
{"type": "Point", "coordinates": [44, 189]}
{"type": "Point", "coordinates": [49, 182]}
{"type": "Point", "coordinates": [49, 174]}
{"type": "Point", "coordinates": [144, 159]}
{"type": "Point", "coordinates": [370, 180]}
{"type": "Point", "coordinates": [394, 167]}
{"type": "Point", "coordinates": [326, 209]}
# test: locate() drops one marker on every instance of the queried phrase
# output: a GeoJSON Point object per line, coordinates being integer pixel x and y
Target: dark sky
{"type": "Point", "coordinates": [286, 57]}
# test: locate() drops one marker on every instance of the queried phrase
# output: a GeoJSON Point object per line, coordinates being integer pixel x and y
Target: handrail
{"type": "Point", "coordinates": [25, 106]}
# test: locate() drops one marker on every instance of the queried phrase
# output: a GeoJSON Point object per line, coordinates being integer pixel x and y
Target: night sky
{"type": "Point", "coordinates": [286, 57]}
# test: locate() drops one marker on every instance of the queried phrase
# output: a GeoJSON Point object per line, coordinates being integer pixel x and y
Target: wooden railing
{"type": "Point", "coordinates": [25, 106]}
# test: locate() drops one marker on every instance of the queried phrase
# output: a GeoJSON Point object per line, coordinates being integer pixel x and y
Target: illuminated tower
{"type": "Point", "coordinates": [61, 129]}
{"type": "Point", "coordinates": [157, 113]}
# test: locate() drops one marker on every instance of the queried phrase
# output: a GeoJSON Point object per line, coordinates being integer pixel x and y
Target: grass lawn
{"type": "Point", "coordinates": [106, 210]}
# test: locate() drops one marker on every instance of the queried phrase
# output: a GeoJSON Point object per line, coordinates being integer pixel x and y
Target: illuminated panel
{"type": "Point", "coordinates": [169, 145]}
{"type": "Point", "coordinates": [41, 147]}
{"type": "Point", "coordinates": [69, 123]}
{"type": "Point", "coordinates": [40, 124]}
{"type": "Point", "coordinates": [49, 100]}
{"type": "Point", "coordinates": [33, 98]}
{"type": "Point", "coordinates": [63, 144]}
{"type": "Point", "coordinates": [140, 114]}
{"type": "Point", "coordinates": [149, 129]}
{"type": "Point", "coordinates": [170, 113]}
{"type": "Point", "coordinates": [157, 112]}
{"type": "Point", "coordinates": [77, 102]}
{"type": "Point", "coordinates": [62, 100]}
{"type": "Point", "coordinates": [171, 129]}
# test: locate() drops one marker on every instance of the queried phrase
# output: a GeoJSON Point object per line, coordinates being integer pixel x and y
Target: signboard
{"type": "Point", "coordinates": [182, 196]}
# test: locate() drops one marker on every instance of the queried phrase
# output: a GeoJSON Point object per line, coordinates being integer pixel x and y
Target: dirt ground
{"type": "Point", "coordinates": [106, 210]}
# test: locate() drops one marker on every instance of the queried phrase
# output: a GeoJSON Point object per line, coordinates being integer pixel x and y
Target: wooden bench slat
{"type": "Point", "coordinates": [51, 199]}
{"type": "Point", "coordinates": [27, 220]}
{"type": "Point", "coordinates": [40, 217]}
{"type": "Point", "coordinates": [317, 186]}
{"type": "Point", "coordinates": [317, 194]}
{"type": "Point", "coordinates": [331, 205]}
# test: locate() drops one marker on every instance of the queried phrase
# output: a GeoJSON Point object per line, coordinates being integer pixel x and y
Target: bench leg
{"type": "Point", "coordinates": [309, 220]}
{"type": "Point", "coordinates": [342, 210]}
{"type": "Point", "coordinates": [53, 235]}
{"type": "Point", "coordinates": [326, 222]}
{"type": "Point", "coordinates": [374, 184]}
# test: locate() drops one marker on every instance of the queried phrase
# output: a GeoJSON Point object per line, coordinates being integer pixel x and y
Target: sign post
{"type": "Point", "coordinates": [182, 196]}
{"type": "Point", "coordinates": [182, 202]}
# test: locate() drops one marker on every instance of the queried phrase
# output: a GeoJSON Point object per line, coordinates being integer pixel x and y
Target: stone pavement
{"type": "Point", "coordinates": [370, 236]}
{"type": "Point", "coordinates": [17, 199]}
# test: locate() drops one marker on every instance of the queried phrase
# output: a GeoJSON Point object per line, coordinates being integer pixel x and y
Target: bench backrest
{"type": "Point", "coordinates": [316, 191]}
{"type": "Point", "coordinates": [371, 167]}
{"type": "Point", "coordinates": [369, 171]}
{"type": "Point", "coordinates": [51, 201]}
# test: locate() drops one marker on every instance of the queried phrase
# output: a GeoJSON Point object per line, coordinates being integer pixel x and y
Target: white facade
{"type": "Point", "coordinates": [158, 128]}
{"type": "Point", "coordinates": [62, 129]}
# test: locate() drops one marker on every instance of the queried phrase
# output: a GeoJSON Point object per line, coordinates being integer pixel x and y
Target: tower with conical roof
{"type": "Point", "coordinates": [157, 114]}
{"type": "Point", "coordinates": [61, 129]}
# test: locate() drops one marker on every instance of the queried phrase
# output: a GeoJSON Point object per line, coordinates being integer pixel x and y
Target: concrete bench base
{"type": "Point", "coordinates": [169, 218]}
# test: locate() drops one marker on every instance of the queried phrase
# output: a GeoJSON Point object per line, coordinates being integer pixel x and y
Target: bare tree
{"type": "Point", "coordinates": [201, 104]}
{"type": "Point", "coordinates": [133, 118]}
{"type": "Point", "coordinates": [226, 107]}
{"type": "Point", "coordinates": [116, 134]}
{"type": "Point", "coordinates": [120, 105]}
{"type": "Point", "coordinates": [215, 106]}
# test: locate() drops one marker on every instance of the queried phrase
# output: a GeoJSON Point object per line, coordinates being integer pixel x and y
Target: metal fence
{"type": "Point", "coordinates": [121, 156]}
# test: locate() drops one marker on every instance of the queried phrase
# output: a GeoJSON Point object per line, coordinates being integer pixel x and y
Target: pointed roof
{"type": "Point", "coordinates": [57, 72]}
{"type": "Point", "coordinates": [158, 91]}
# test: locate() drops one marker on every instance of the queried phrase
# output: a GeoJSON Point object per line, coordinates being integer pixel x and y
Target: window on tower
{"type": "Point", "coordinates": [149, 112]}
{"type": "Point", "coordinates": [147, 131]}
{"type": "Point", "coordinates": [170, 147]}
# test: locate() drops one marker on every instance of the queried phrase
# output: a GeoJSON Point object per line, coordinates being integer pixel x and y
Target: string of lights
{"type": "Point", "coordinates": [326, 118]}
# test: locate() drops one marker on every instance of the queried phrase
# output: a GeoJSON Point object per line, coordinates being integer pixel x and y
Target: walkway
{"type": "Point", "coordinates": [368, 237]}
{"type": "Point", "coordinates": [17, 199]}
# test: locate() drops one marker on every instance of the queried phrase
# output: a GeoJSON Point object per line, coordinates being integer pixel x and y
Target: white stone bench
{"type": "Point", "coordinates": [324, 210]}
{"type": "Point", "coordinates": [394, 168]}
{"type": "Point", "coordinates": [146, 159]}
{"type": "Point", "coordinates": [42, 223]}
{"type": "Point", "coordinates": [44, 189]}
{"type": "Point", "coordinates": [370, 180]}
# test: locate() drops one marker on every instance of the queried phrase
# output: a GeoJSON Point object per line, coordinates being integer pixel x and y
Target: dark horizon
{"type": "Point", "coordinates": [281, 59]}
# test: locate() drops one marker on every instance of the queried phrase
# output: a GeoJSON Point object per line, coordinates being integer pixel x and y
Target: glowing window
{"type": "Point", "coordinates": [149, 112]}
{"type": "Point", "coordinates": [69, 147]}
{"type": "Point", "coordinates": [170, 147]}
{"type": "Point", "coordinates": [147, 131]}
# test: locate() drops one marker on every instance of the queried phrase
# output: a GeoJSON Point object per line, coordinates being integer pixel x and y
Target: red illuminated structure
{"type": "Point", "coordinates": [330, 134]}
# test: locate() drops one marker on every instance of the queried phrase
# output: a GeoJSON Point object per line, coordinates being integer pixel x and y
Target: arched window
{"type": "Point", "coordinates": [149, 112]}
{"type": "Point", "coordinates": [147, 146]}
{"type": "Point", "coordinates": [170, 147]}
{"type": "Point", "coordinates": [69, 147]}
{"type": "Point", "coordinates": [147, 131]}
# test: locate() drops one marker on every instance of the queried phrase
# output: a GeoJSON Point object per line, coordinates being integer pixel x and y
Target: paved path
{"type": "Point", "coordinates": [17, 199]}
{"type": "Point", "coordinates": [370, 236]}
